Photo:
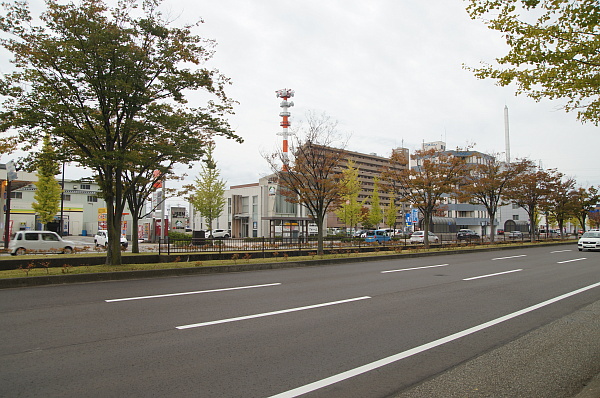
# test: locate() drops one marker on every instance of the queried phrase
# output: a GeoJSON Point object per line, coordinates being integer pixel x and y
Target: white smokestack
{"type": "Point", "coordinates": [506, 136]}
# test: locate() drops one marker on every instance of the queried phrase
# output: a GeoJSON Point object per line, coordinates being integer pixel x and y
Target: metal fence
{"type": "Point", "coordinates": [206, 245]}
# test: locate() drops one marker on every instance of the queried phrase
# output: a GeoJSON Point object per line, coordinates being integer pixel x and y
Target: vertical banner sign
{"type": "Point", "coordinates": [102, 218]}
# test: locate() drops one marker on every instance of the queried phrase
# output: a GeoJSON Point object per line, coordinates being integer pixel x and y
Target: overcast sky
{"type": "Point", "coordinates": [390, 72]}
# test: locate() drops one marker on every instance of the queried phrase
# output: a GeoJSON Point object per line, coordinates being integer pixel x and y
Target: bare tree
{"type": "Point", "coordinates": [310, 177]}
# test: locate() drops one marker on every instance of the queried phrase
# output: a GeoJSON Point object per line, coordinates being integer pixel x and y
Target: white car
{"type": "Point", "coordinates": [39, 242]}
{"type": "Point", "coordinates": [101, 239]}
{"type": "Point", "coordinates": [590, 240]}
{"type": "Point", "coordinates": [218, 233]}
{"type": "Point", "coordinates": [419, 237]}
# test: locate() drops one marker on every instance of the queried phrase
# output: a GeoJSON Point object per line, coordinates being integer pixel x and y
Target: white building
{"type": "Point", "coordinates": [257, 210]}
{"type": "Point", "coordinates": [83, 212]}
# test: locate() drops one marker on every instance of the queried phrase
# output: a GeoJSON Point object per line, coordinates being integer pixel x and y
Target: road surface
{"type": "Point", "coordinates": [371, 329]}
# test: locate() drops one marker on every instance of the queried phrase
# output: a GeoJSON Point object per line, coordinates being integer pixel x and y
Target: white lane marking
{"type": "Point", "coordinates": [243, 318]}
{"type": "Point", "coordinates": [187, 293]}
{"type": "Point", "coordinates": [417, 350]}
{"type": "Point", "coordinates": [561, 251]}
{"type": "Point", "coordinates": [488, 275]}
{"type": "Point", "coordinates": [412, 269]}
{"type": "Point", "coordinates": [505, 258]}
{"type": "Point", "coordinates": [570, 261]}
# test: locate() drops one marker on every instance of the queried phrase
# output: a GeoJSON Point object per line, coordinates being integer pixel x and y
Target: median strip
{"type": "Point", "coordinates": [243, 318]}
{"type": "Point", "coordinates": [188, 293]}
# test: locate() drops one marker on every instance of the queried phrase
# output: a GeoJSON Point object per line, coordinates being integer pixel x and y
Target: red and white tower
{"type": "Point", "coordinates": [285, 93]}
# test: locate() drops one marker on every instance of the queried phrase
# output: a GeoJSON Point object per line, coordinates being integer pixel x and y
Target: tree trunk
{"type": "Point", "coordinates": [135, 246]}
{"type": "Point", "coordinates": [532, 226]}
{"type": "Point", "coordinates": [113, 228]}
{"type": "Point", "coordinates": [492, 227]}
{"type": "Point", "coordinates": [426, 230]}
{"type": "Point", "coordinates": [320, 250]}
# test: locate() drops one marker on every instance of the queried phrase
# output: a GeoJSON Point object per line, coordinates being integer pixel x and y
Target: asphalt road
{"type": "Point", "coordinates": [373, 329]}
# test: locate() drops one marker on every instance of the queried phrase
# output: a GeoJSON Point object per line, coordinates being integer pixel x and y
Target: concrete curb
{"type": "Point", "coordinates": [171, 272]}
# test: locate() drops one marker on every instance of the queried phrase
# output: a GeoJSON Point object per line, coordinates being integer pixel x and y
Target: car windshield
{"type": "Point", "coordinates": [591, 235]}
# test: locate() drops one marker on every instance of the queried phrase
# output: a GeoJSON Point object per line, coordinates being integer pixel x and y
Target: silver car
{"type": "Point", "coordinates": [39, 242]}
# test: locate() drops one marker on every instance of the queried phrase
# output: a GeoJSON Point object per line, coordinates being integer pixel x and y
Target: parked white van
{"type": "Point", "coordinates": [24, 242]}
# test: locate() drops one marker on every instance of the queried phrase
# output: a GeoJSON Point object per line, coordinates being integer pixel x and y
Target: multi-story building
{"type": "Point", "coordinates": [259, 209]}
{"type": "Point", "coordinates": [471, 216]}
{"type": "Point", "coordinates": [369, 168]}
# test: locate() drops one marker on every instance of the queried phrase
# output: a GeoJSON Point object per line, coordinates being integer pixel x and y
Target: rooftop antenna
{"type": "Point", "coordinates": [285, 93]}
{"type": "Point", "coordinates": [506, 136]}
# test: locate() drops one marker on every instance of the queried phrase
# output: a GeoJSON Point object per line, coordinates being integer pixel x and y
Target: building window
{"type": "Point", "coordinates": [85, 186]}
{"type": "Point", "coordinates": [254, 207]}
{"type": "Point", "coordinates": [92, 199]}
{"type": "Point", "coordinates": [516, 217]}
{"type": "Point", "coordinates": [67, 198]}
{"type": "Point", "coordinates": [245, 205]}
{"type": "Point", "coordinates": [16, 195]}
{"type": "Point", "coordinates": [515, 206]}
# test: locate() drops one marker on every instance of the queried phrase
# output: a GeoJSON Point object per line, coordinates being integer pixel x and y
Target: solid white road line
{"type": "Point", "coordinates": [506, 258]}
{"type": "Point", "coordinates": [488, 275]}
{"type": "Point", "coordinates": [412, 269]}
{"type": "Point", "coordinates": [243, 318]}
{"type": "Point", "coordinates": [196, 292]}
{"type": "Point", "coordinates": [417, 350]}
{"type": "Point", "coordinates": [570, 261]}
{"type": "Point", "coordinates": [561, 251]}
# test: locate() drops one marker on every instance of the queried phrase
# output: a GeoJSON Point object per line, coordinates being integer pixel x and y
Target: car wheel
{"type": "Point", "coordinates": [67, 250]}
{"type": "Point", "coordinates": [580, 250]}
{"type": "Point", "coordinates": [226, 236]}
{"type": "Point", "coordinates": [20, 251]}
{"type": "Point", "coordinates": [210, 237]}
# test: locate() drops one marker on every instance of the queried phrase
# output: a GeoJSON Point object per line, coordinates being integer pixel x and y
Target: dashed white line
{"type": "Point", "coordinates": [506, 258]}
{"type": "Point", "coordinates": [196, 292]}
{"type": "Point", "coordinates": [561, 251]}
{"type": "Point", "coordinates": [415, 268]}
{"type": "Point", "coordinates": [487, 276]}
{"type": "Point", "coordinates": [417, 350]}
{"type": "Point", "coordinates": [570, 261]}
{"type": "Point", "coordinates": [243, 318]}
